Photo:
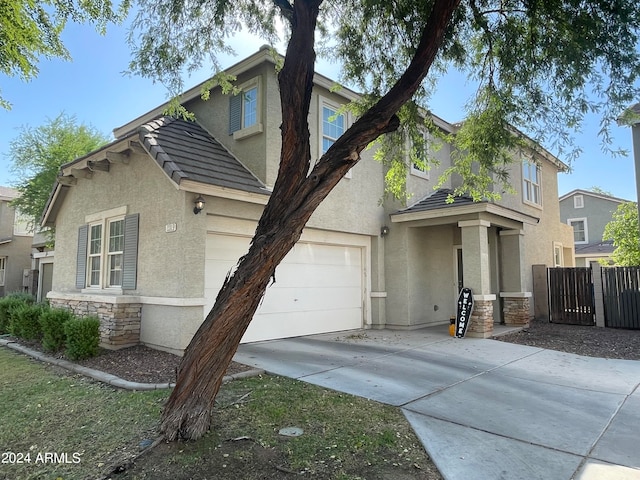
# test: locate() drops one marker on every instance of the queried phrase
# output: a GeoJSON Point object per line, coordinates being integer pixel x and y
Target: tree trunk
{"type": "Point", "coordinates": [296, 195]}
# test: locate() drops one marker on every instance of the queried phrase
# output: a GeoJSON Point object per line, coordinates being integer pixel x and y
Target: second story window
{"type": "Point", "coordinates": [578, 201]}
{"type": "Point", "coordinates": [245, 110]}
{"type": "Point", "coordinates": [579, 225]}
{"type": "Point", "coordinates": [419, 152]}
{"type": "Point", "coordinates": [333, 126]}
{"type": "Point", "coordinates": [531, 183]}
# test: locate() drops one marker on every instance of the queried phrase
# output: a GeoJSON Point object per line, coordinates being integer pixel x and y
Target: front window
{"type": "Point", "coordinates": [105, 265]}
{"type": "Point", "coordinates": [115, 253]}
{"type": "Point", "coordinates": [3, 267]}
{"type": "Point", "coordinates": [531, 183]}
{"type": "Point", "coordinates": [95, 255]}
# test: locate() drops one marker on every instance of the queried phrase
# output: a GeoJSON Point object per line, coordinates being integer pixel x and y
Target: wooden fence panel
{"type": "Point", "coordinates": [571, 296]}
{"type": "Point", "coordinates": [621, 293]}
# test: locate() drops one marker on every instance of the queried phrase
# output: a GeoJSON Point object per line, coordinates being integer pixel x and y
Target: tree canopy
{"type": "Point", "coordinates": [30, 30]}
{"type": "Point", "coordinates": [36, 155]}
{"type": "Point", "coordinates": [623, 229]}
{"type": "Point", "coordinates": [540, 66]}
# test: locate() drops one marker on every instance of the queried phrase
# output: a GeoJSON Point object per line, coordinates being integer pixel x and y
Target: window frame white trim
{"type": "Point", "coordinates": [586, 230]}
{"type": "Point", "coordinates": [413, 169]}
{"type": "Point", "coordinates": [557, 246]}
{"type": "Point", "coordinates": [256, 128]}
{"type": "Point", "coordinates": [322, 102]}
{"type": "Point", "coordinates": [3, 270]}
{"type": "Point", "coordinates": [531, 162]}
{"type": "Point", "coordinates": [578, 204]}
{"type": "Point", "coordinates": [104, 218]}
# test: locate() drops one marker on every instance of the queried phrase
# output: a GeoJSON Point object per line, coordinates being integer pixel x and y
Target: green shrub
{"type": "Point", "coordinates": [8, 304]}
{"type": "Point", "coordinates": [52, 323]}
{"type": "Point", "coordinates": [83, 337]}
{"type": "Point", "coordinates": [25, 321]}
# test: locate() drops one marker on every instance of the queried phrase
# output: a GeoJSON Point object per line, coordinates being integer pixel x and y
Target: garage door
{"type": "Point", "coordinates": [318, 288]}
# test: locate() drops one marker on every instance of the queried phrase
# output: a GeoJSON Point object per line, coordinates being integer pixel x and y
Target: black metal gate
{"type": "Point", "coordinates": [621, 295]}
{"type": "Point", "coordinates": [571, 295]}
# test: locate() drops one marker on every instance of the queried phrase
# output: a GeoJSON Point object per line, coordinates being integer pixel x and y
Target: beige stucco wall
{"type": "Point", "coordinates": [169, 264]}
{"type": "Point", "coordinates": [17, 251]}
{"type": "Point", "coordinates": [431, 275]}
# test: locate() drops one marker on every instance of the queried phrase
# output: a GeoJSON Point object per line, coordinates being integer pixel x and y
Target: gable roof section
{"type": "Point", "coordinates": [436, 206]}
{"type": "Point", "coordinates": [437, 201]}
{"type": "Point", "coordinates": [579, 191]}
{"type": "Point", "coordinates": [185, 151]}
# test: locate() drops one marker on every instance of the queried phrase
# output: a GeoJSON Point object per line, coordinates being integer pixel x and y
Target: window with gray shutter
{"type": "Point", "coordinates": [130, 255]}
{"type": "Point", "coordinates": [81, 263]}
{"type": "Point", "coordinates": [235, 113]}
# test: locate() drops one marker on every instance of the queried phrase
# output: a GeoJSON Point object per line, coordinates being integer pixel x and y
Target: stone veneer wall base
{"type": "Point", "coordinates": [119, 323]}
{"type": "Point", "coordinates": [481, 321]}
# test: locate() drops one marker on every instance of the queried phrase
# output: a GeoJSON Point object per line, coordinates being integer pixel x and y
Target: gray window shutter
{"type": "Point", "coordinates": [130, 255]}
{"type": "Point", "coordinates": [81, 263]}
{"type": "Point", "coordinates": [235, 113]}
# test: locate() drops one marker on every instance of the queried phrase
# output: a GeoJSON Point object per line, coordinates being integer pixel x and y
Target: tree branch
{"type": "Point", "coordinates": [285, 8]}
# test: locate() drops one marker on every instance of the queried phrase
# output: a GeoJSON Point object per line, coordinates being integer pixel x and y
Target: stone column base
{"type": "Point", "coordinates": [481, 321]}
{"type": "Point", "coordinates": [515, 310]}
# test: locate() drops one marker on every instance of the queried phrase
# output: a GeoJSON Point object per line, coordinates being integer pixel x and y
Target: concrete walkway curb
{"type": "Point", "coordinates": [107, 377]}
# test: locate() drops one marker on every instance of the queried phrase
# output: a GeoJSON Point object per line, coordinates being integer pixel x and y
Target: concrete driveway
{"type": "Point", "coordinates": [483, 409]}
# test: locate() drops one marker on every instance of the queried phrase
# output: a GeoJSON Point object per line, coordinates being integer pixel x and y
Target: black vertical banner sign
{"type": "Point", "coordinates": [465, 307]}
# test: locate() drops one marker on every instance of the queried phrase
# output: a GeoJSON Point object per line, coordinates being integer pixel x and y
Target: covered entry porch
{"type": "Point", "coordinates": [464, 244]}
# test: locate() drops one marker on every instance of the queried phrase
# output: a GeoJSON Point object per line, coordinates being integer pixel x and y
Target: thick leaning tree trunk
{"type": "Point", "coordinates": [296, 195]}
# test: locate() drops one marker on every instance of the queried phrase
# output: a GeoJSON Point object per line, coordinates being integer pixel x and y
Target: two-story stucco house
{"type": "Point", "coordinates": [148, 227]}
{"type": "Point", "coordinates": [588, 213]}
{"type": "Point", "coordinates": [15, 247]}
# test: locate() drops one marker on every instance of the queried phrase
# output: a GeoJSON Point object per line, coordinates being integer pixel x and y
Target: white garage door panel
{"type": "Point", "coordinates": [307, 276]}
{"type": "Point", "coordinates": [286, 300]}
{"type": "Point", "coordinates": [270, 326]}
{"type": "Point", "coordinates": [318, 288]}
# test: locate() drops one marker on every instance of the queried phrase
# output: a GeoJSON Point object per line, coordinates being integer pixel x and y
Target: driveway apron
{"type": "Point", "coordinates": [483, 409]}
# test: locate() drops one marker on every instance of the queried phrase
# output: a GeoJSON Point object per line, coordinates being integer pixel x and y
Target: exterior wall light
{"type": "Point", "coordinates": [199, 204]}
{"type": "Point", "coordinates": [384, 231]}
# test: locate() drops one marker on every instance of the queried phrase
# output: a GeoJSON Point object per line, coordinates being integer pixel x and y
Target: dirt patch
{"type": "Point", "coordinates": [135, 364]}
{"type": "Point", "coordinates": [578, 339]}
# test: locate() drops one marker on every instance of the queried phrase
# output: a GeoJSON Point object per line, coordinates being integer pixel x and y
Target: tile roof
{"type": "Point", "coordinates": [184, 150]}
{"type": "Point", "coordinates": [438, 200]}
{"type": "Point", "coordinates": [599, 248]}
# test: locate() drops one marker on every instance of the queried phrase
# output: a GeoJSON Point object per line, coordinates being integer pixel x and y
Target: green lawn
{"type": "Point", "coordinates": [64, 426]}
{"type": "Point", "coordinates": [50, 419]}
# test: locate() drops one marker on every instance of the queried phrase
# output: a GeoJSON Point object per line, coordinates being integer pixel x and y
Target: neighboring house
{"type": "Point", "coordinates": [15, 247]}
{"type": "Point", "coordinates": [588, 213]}
{"type": "Point", "coordinates": [43, 256]}
{"type": "Point", "coordinates": [133, 246]}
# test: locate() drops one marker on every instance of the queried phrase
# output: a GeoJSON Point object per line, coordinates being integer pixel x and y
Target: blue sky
{"type": "Point", "coordinates": [93, 88]}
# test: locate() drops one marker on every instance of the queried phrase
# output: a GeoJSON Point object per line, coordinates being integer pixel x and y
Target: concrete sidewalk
{"type": "Point", "coordinates": [483, 409]}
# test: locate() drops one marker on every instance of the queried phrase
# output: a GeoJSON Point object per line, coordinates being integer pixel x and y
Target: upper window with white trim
{"type": "Point", "coordinates": [580, 233]}
{"type": "Point", "coordinates": [531, 183]}
{"type": "Point", "coordinates": [333, 124]}
{"type": "Point", "coordinates": [578, 201]}
{"type": "Point", "coordinates": [245, 110]}
{"type": "Point", "coordinates": [419, 154]}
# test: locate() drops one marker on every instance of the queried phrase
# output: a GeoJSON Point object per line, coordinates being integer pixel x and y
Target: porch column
{"type": "Point", "coordinates": [477, 275]}
{"type": "Point", "coordinates": [516, 301]}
